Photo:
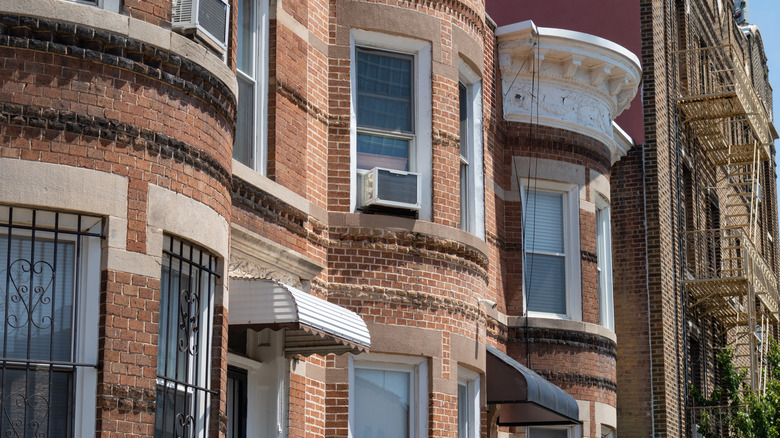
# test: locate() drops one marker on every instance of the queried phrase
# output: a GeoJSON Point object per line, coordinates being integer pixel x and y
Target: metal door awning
{"type": "Point", "coordinates": [312, 325]}
{"type": "Point", "coordinates": [526, 398]}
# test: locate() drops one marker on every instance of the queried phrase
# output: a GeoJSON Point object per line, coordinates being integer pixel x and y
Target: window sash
{"type": "Point", "coordinates": [562, 283]}
{"type": "Point", "coordinates": [251, 74]}
{"type": "Point", "coordinates": [604, 264]}
{"type": "Point", "coordinates": [385, 113]}
{"type": "Point", "coordinates": [393, 406]}
{"type": "Point", "coordinates": [465, 149]}
{"type": "Point", "coordinates": [417, 370]}
{"type": "Point", "coordinates": [545, 264]}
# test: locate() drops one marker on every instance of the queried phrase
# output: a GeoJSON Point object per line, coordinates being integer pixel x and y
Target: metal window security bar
{"type": "Point", "coordinates": [42, 295]}
{"type": "Point", "coordinates": [183, 365]}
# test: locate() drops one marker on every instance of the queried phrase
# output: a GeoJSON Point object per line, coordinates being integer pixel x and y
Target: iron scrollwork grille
{"type": "Point", "coordinates": [183, 360]}
{"type": "Point", "coordinates": [42, 300]}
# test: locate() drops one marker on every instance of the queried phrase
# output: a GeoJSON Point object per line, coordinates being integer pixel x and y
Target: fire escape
{"type": "Point", "coordinates": [727, 277]}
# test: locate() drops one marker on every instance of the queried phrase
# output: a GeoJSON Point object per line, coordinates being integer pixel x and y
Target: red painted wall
{"type": "Point", "coordinates": [615, 20]}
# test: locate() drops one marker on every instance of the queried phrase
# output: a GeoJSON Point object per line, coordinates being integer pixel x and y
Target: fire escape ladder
{"type": "Point", "coordinates": [728, 277]}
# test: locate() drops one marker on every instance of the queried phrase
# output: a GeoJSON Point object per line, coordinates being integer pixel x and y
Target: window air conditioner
{"type": "Point", "coordinates": [390, 188]}
{"type": "Point", "coordinates": [207, 19]}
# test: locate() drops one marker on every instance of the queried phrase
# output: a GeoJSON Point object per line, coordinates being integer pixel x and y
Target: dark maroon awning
{"type": "Point", "coordinates": [526, 398]}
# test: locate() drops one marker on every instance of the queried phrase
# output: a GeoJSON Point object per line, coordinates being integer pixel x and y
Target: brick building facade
{"type": "Point", "coordinates": [314, 218]}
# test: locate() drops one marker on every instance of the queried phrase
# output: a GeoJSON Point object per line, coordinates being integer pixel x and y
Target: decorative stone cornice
{"type": "Point", "coordinates": [566, 79]}
{"type": "Point", "coordinates": [255, 257]}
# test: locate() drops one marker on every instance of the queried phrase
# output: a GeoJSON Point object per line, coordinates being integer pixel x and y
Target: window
{"type": "Point", "coordinates": [604, 259]}
{"type": "Point", "coordinates": [388, 397]}
{"type": "Point", "coordinates": [550, 432]}
{"type": "Point", "coordinates": [468, 404]}
{"type": "Point", "coordinates": [391, 107]}
{"type": "Point", "coordinates": [49, 297]}
{"type": "Point", "coordinates": [551, 241]}
{"type": "Point", "coordinates": [109, 5]}
{"type": "Point", "coordinates": [472, 203]}
{"type": "Point", "coordinates": [186, 313]}
{"type": "Point", "coordinates": [252, 74]}
{"type": "Point", "coordinates": [385, 113]}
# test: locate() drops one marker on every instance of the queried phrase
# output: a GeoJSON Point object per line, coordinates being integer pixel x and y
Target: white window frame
{"type": "Point", "coordinates": [87, 339]}
{"type": "Point", "coordinates": [571, 239]}
{"type": "Point", "coordinates": [420, 147]}
{"type": "Point", "coordinates": [475, 214]}
{"type": "Point", "coordinates": [604, 265]}
{"type": "Point", "coordinates": [470, 380]}
{"type": "Point", "coordinates": [418, 390]}
{"type": "Point", "coordinates": [260, 40]}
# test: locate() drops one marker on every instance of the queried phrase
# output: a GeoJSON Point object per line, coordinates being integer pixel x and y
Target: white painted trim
{"type": "Point", "coordinates": [604, 257]}
{"type": "Point", "coordinates": [571, 244]}
{"type": "Point", "coordinates": [252, 368]}
{"type": "Point", "coordinates": [571, 36]}
{"type": "Point", "coordinates": [87, 338]}
{"type": "Point", "coordinates": [421, 157]}
{"type": "Point", "coordinates": [418, 366]}
{"type": "Point", "coordinates": [472, 382]}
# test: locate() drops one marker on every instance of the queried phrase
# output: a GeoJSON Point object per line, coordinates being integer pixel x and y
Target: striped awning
{"type": "Point", "coordinates": [312, 325]}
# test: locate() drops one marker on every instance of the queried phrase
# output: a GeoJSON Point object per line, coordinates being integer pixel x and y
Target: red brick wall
{"type": "Point", "coordinates": [157, 12]}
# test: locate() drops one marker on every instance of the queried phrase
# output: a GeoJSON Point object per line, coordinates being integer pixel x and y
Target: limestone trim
{"type": "Point", "coordinates": [96, 18]}
{"type": "Point", "coordinates": [278, 191]}
{"type": "Point", "coordinates": [33, 183]}
{"type": "Point", "coordinates": [174, 213]}
{"type": "Point", "coordinates": [583, 82]}
{"type": "Point", "coordinates": [605, 415]}
{"type": "Point", "coordinates": [561, 324]}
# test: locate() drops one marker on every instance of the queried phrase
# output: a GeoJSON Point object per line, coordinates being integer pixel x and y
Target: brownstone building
{"type": "Point", "coordinates": [365, 218]}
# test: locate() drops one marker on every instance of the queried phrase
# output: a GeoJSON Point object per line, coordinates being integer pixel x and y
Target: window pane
{"type": "Point", "coordinates": [548, 433]}
{"type": "Point", "coordinates": [246, 32]}
{"type": "Point", "coordinates": [244, 145]}
{"type": "Point", "coordinates": [545, 281]}
{"type": "Point", "coordinates": [464, 121]}
{"type": "Point", "coordinates": [384, 90]}
{"type": "Point", "coordinates": [31, 407]}
{"type": "Point", "coordinates": [38, 298]}
{"type": "Point", "coordinates": [376, 151]}
{"type": "Point", "coordinates": [382, 404]}
{"type": "Point", "coordinates": [463, 411]}
{"type": "Point", "coordinates": [464, 196]}
{"type": "Point", "coordinates": [544, 219]}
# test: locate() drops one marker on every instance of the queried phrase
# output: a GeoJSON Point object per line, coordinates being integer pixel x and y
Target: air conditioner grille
{"type": "Point", "coordinates": [211, 16]}
{"type": "Point", "coordinates": [182, 11]}
{"type": "Point", "coordinates": [397, 187]}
